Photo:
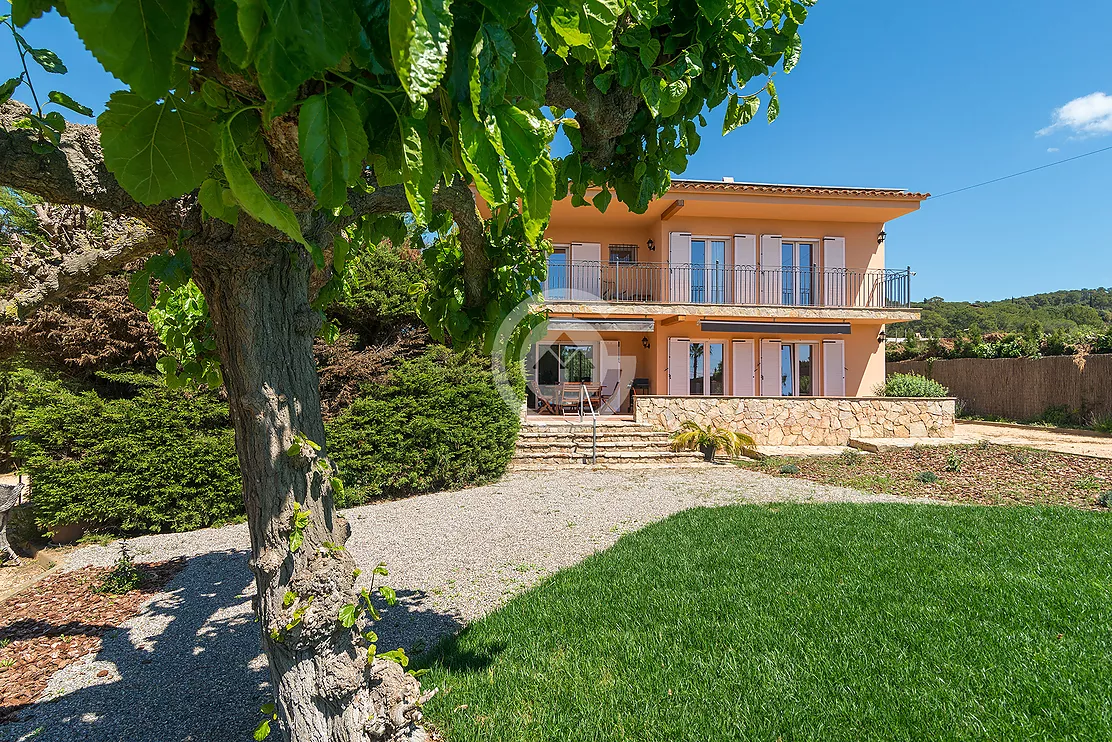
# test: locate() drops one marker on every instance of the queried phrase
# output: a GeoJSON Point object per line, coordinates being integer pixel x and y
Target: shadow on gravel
{"type": "Point", "coordinates": [189, 667]}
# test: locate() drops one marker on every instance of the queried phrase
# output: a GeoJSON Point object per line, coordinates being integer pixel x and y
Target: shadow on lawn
{"type": "Point", "coordinates": [189, 669]}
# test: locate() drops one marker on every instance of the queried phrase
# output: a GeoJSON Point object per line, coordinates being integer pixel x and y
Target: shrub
{"type": "Point", "coordinates": [1104, 499]}
{"type": "Point", "coordinates": [141, 458]}
{"type": "Point", "coordinates": [1099, 423]}
{"type": "Point", "coordinates": [693, 437]}
{"type": "Point", "coordinates": [789, 469]}
{"type": "Point", "coordinates": [438, 422]}
{"type": "Point", "coordinates": [1058, 416]}
{"type": "Point", "coordinates": [910, 385]}
{"type": "Point", "coordinates": [927, 477]}
{"type": "Point", "coordinates": [123, 578]}
{"type": "Point", "coordinates": [953, 462]}
{"type": "Point", "coordinates": [850, 457]}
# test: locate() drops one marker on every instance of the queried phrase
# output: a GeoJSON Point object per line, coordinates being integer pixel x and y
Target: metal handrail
{"type": "Point", "coordinates": [594, 420]}
{"type": "Point", "coordinates": [731, 285]}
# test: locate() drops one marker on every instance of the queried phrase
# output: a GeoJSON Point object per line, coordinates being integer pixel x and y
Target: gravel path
{"type": "Point", "coordinates": [189, 668]}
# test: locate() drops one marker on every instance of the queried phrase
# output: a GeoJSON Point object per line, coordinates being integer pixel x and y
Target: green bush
{"type": "Point", "coordinates": [927, 477]}
{"type": "Point", "coordinates": [134, 458]}
{"type": "Point", "coordinates": [910, 385]}
{"type": "Point", "coordinates": [789, 469]}
{"type": "Point", "coordinates": [1057, 416]}
{"type": "Point", "coordinates": [439, 422]}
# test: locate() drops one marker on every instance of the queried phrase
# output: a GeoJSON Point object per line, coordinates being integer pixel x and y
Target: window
{"type": "Point", "coordinates": [565, 363]}
{"type": "Point", "coordinates": [623, 254]}
{"type": "Point", "coordinates": [797, 369]}
{"type": "Point", "coordinates": [708, 271]}
{"type": "Point", "coordinates": [798, 271]}
{"type": "Point", "coordinates": [558, 273]}
{"type": "Point", "coordinates": [706, 369]}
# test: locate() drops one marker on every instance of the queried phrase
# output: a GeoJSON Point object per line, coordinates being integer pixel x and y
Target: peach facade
{"type": "Point", "coordinates": [763, 320]}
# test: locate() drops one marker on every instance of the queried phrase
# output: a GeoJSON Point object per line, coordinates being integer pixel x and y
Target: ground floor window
{"type": "Point", "coordinates": [565, 363]}
{"type": "Point", "coordinates": [797, 369]}
{"type": "Point", "coordinates": [706, 369]}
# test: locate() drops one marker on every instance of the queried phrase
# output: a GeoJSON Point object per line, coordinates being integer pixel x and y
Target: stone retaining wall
{"type": "Point", "coordinates": [805, 421]}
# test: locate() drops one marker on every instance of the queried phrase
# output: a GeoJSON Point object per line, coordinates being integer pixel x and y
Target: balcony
{"type": "Point", "coordinates": [729, 285]}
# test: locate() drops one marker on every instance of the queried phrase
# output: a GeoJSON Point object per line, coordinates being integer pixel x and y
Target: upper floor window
{"type": "Point", "coordinates": [623, 254]}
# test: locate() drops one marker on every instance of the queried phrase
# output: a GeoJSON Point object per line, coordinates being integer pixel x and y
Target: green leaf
{"type": "Point", "coordinates": [388, 594]}
{"type": "Point", "coordinates": [395, 655]}
{"type": "Point", "coordinates": [740, 111]}
{"type": "Point", "coordinates": [8, 88]}
{"type": "Point", "coordinates": [156, 151]}
{"type": "Point", "coordinates": [649, 51]}
{"type": "Point", "coordinates": [492, 57]}
{"type": "Point", "coordinates": [232, 42]}
{"type": "Point", "coordinates": [381, 570]}
{"type": "Point", "coordinates": [602, 17]}
{"type": "Point", "coordinates": [253, 199]}
{"type": "Point", "coordinates": [287, 601]}
{"type": "Point", "coordinates": [792, 53]}
{"type": "Point", "coordinates": [139, 292]}
{"type": "Point", "coordinates": [48, 60]}
{"type": "Point", "coordinates": [538, 197]}
{"type": "Point", "coordinates": [773, 102]}
{"type": "Point", "coordinates": [509, 12]}
{"type": "Point", "coordinates": [333, 145]}
{"type": "Point", "coordinates": [25, 11]}
{"type": "Point", "coordinates": [481, 158]}
{"type": "Point", "coordinates": [262, 731]}
{"type": "Point", "coordinates": [528, 74]}
{"type": "Point", "coordinates": [602, 199]}
{"type": "Point", "coordinates": [268, 709]}
{"type": "Point", "coordinates": [211, 197]}
{"type": "Point", "coordinates": [64, 100]}
{"type": "Point", "coordinates": [302, 38]}
{"type": "Point", "coordinates": [525, 137]}
{"type": "Point", "coordinates": [348, 615]}
{"type": "Point", "coordinates": [712, 9]}
{"type": "Point", "coordinates": [419, 34]}
{"type": "Point", "coordinates": [135, 40]}
{"type": "Point", "coordinates": [419, 169]}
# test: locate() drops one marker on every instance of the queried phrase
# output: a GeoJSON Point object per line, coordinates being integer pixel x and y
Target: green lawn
{"type": "Point", "coordinates": [803, 622]}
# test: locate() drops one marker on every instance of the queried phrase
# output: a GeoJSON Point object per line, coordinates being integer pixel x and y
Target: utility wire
{"type": "Point", "coordinates": [1023, 172]}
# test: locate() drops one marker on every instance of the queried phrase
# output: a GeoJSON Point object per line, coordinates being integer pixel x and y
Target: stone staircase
{"type": "Point", "coordinates": [566, 443]}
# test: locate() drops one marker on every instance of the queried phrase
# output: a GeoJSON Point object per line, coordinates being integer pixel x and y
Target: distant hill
{"type": "Point", "coordinates": [1069, 311]}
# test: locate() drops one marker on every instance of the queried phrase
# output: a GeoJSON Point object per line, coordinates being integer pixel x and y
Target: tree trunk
{"type": "Point", "coordinates": [325, 689]}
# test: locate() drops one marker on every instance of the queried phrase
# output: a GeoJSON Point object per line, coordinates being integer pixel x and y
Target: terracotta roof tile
{"type": "Point", "coordinates": [681, 185]}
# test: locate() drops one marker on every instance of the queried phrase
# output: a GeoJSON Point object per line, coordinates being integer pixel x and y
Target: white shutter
{"type": "Point", "coordinates": [611, 362]}
{"type": "Point", "coordinates": [586, 270]}
{"type": "Point", "coordinates": [679, 256]}
{"type": "Point", "coordinates": [835, 290]}
{"type": "Point", "coordinates": [833, 368]}
{"type": "Point", "coordinates": [771, 277]}
{"type": "Point", "coordinates": [678, 353]}
{"type": "Point", "coordinates": [744, 372]}
{"type": "Point", "coordinates": [745, 269]}
{"type": "Point", "coordinates": [770, 368]}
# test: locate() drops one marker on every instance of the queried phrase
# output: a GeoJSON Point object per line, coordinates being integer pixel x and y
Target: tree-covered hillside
{"type": "Point", "coordinates": [1068, 311]}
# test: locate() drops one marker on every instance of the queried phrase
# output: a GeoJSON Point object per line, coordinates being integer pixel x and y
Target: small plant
{"type": "Point", "coordinates": [1104, 499]}
{"type": "Point", "coordinates": [1100, 423]}
{"type": "Point", "coordinates": [1087, 482]}
{"type": "Point", "coordinates": [927, 477]}
{"type": "Point", "coordinates": [910, 385]}
{"type": "Point", "coordinates": [849, 457]}
{"type": "Point", "coordinates": [953, 462]}
{"type": "Point", "coordinates": [693, 437]}
{"type": "Point", "coordinates": [5, 664]}
{"type": "Point", "coordinates": [789, 469]}
{"type": "Point", "coordinates": [124, 577]}
{"type": "Point", "coordinates": [5, 643]}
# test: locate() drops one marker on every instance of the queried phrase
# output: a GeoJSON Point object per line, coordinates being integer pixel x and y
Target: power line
{"type": "Point", "coordinates": [1022, 172]}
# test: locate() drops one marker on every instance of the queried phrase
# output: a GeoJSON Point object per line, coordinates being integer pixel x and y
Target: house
{"type": "Point", "coordinates": [759, 306]}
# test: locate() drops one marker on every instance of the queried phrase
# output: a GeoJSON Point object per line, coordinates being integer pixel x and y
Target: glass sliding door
{"type": "Point", "coordinates": [708, 271]}
{"type": "Point", "coordinates": [787, 370]}
{"type": "Point", "coordinates": [797, 273]}
{"type": "Point", "coordinates": [577, 363]}
{"type": "Point", "coordinates": [797, 369]}
{"type": "Point", "coordinates": [706, 369]}
{"type": "Point", "coordinates": [558, 270]}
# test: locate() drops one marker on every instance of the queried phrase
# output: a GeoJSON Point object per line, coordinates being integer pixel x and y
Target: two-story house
{"type": "Point", "coordinates": [727, 290]}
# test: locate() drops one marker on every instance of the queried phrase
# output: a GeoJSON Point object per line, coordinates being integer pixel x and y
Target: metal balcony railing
{"type": "Point", "coordinates": [731, 285]}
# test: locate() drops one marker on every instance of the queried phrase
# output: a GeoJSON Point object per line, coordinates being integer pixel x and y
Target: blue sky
{"type": "Point", "coordinates": [925, 96]}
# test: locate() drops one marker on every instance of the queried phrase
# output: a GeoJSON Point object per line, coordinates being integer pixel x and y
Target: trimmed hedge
{"type": "Point", "coordinates": [438, 423]}
{"type": "Point", "coordinates": [135, 457]}
{"type": "Point", "coordinates": [910, 385]}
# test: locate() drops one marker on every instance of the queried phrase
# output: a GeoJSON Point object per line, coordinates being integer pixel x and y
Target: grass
{"type": "Point", "coordinates": [802, 622]}
{"type": "Point", "coordinates": [983, 473]}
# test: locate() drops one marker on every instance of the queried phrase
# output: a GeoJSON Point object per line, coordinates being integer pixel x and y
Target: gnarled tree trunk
{"type": "Point", "coordinates": [325, 688]}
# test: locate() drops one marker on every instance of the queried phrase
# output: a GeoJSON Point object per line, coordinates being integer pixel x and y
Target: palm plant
{"type": "Point", "coordinates": [693, 437]}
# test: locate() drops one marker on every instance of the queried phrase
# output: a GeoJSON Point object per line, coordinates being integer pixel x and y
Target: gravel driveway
{"type": "Point", "coordinates": [189, 668]}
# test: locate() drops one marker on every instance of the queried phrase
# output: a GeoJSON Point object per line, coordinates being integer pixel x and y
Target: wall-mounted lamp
{"type": "Point", "coordinates": [881, 237]}
{"type": "Point", "coordinates": [882, 336]}
{"type": "Point", "coordinates": [644, 342]}
{"type": "Point", "coordinates": [652, 247]}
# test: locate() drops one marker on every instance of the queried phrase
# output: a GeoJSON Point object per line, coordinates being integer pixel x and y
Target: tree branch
{"type": "Point", "coordinates": [602, 117]}
{"type": "Point", "coordinates": [76, 255]}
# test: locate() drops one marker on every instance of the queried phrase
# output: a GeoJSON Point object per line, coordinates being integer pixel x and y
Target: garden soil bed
{"type": "Point", "coordinates": [983, 474]}
{"type": "Point", "coordinates": [59, 620]}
